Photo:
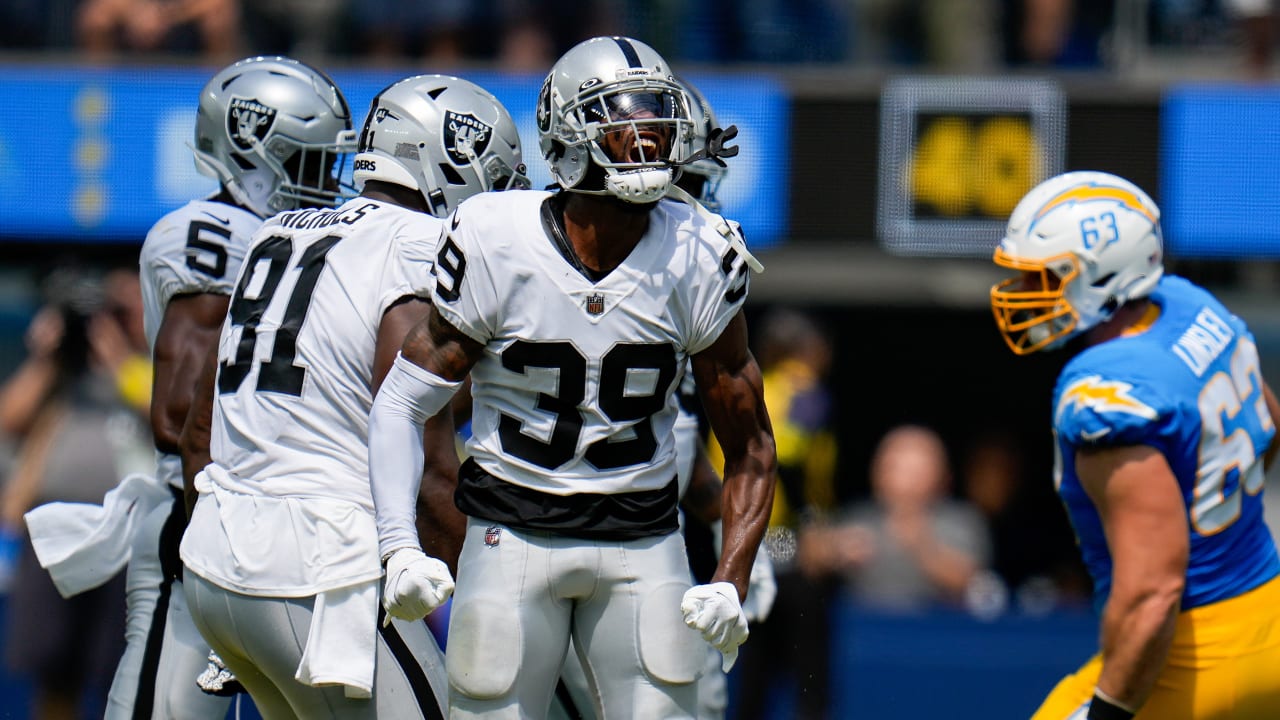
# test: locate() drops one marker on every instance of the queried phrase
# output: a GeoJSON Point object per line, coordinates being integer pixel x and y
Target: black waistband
{"type": "Point", "coordinates": [590, 516]}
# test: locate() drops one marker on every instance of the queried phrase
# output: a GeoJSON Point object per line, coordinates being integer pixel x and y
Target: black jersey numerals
{"type": "Point", "coordinates": [566, 405]}
{"type": "Point", "coordinates": [740, 276]}
{"type": "Point", "coordinates": [278, 373]}
{"type": "Point", "coordinates": [207, 248]}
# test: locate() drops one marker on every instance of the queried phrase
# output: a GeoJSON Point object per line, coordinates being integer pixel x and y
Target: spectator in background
{"type": "Point", "coordinates": [1061, 33]}
{"type": "Point", "coordinates": [1257, 21]}
{"type": "Point", "coordinates": [1032, 550]}
{"type": "Point", "coordinates": [911, 547]}
{"type": "Point", "coordinates": [794, 355]}
{"type": "Point", "coordinates": [952, 36]}
{"type": "Point", "coordinates": [112, 26]}
{"type": "Point", "coordinates": [78, 437]}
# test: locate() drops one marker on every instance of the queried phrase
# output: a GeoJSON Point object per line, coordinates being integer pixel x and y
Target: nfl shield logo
{"type": "Point", "coordinates": [595, 304]}
{"type": "Point", "coordinates": [463, 132]}
{"type": "Point", "coordinates": [248, 119]}
{"type": "Point", "coordinates": [492, 536]}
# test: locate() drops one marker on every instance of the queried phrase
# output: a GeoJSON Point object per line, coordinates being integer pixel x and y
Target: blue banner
{"type": "Point", "coordinates": [1220, 170]}
{"type": "Point", "coordinates": [98, 155]}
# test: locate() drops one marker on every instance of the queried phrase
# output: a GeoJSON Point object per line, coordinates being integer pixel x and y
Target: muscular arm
{"type": "Point", "coordinates": [732, 393]}
{"type": "Point", "coordinates": [188, 335]}
{"type": "Point", "coordinates": [435, 357]}
{"type": "Point", "coordinates": [194, 442]}
{"type": "Point", "coordinates": [702, 499]}
{"type": "Point", "coordinates": [1144, 518]}
{"type": "Point", "coordinates": [440, 525]}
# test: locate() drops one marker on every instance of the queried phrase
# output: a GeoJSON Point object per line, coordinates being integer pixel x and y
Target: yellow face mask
{"type": "Point", "coordinates": [1030, 309]}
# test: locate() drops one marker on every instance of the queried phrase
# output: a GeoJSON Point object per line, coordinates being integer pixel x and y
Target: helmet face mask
{"type": "Point", "coordinates": [611, 104]}
{"type": "Point", "coordinates": [702, 177]}
{"type": "Point", "coordinates": [275, 133]}
{"type": "Point", "coordinates": [442, 136]}
{"type": "Point", "coordinates": [1084, 244]}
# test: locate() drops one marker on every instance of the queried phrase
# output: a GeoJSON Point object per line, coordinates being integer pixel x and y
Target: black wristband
{"type": "Point", "coordinates": [1101, 709]}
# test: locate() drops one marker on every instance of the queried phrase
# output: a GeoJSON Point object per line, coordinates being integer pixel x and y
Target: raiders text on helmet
{"type": "Point", "coordinates": [443, 136]}
{"type": "Point", "coordinates": [612, 85]}
{"type": "Point", "coordinates": [274, 132]}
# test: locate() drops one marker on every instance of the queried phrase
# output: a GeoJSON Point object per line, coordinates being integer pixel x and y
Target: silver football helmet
{"type": "Point", "coordinates": [612, 105]}
{"type": "Point", "coordinates": [443, 136]}
{"type": "Point", "coordinates": [702, 177]}
{"type": "Point", "coordinates": [1083, 244]}
{"type": "Point", "coordinates": [274, 132]}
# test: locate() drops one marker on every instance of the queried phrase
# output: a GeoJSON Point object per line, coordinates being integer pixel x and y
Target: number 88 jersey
{"type": "Point", "coordinates": [1189, 386]}
{"type": "Point", "coordinates": [294, 385]}
{"type": "Point", "coordinates": [574, 392]}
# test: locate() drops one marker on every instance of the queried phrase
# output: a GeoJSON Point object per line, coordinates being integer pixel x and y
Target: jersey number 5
{"type": "Point", "coordinates": [278, 373]}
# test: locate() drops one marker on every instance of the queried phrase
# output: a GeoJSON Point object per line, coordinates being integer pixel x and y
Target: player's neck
{"type": "Point", "coordinates": [1129, 315]}
{"type": "Point", "coordinates": [396, 195]}
{"type": "Point", "coordinates": [603, 230]}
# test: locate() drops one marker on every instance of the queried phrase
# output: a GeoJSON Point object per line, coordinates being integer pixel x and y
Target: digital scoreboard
{"type": "Point", "coordinates": [956, 156]}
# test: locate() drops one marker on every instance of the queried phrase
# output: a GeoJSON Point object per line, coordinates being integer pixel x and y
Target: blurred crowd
{"type": "Point", "coordinates": [525, 35]}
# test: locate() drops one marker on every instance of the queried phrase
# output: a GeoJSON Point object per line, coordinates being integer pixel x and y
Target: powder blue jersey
{"type": "Point", "coordinates": [1190, 387]}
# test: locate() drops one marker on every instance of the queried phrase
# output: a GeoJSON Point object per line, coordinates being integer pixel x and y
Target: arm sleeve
{"type": "Point", "coordinates": [408, 397]}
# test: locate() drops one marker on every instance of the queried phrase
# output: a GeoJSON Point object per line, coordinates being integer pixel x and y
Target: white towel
{"type": "Point", "coordinates": [342, 641]}
{"type": "Point", "coordinates": [83, 545]}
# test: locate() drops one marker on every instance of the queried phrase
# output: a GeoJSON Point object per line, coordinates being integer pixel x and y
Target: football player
{"type": "Point", "coordinates": [699, 484]}
{"type": "Point", "coordinates": [269, 129]}
{"type": "Point", "coordinates": [1164, 427]}
{"type": "Point", "coordinates": [281, 553]}
{"type": "Point", "coordinates": [574, 312]}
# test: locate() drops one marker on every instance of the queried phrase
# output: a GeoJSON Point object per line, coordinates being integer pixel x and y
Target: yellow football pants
{"type": "Point", "coordinates": [1224, 664]}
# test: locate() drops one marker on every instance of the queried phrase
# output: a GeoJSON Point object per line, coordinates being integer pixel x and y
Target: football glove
{"type": "Point", "coordinates": [217, 679]}
{"type": "Point", "coordinates": [416, 584]}
{"type": "Point", "coordinates": [762, 589]}
{"type": "Point", "coordinates": [714, 611]}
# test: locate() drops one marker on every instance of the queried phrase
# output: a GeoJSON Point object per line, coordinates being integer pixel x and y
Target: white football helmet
{"type": "Point", "coordinates": [614, 86]}
{"type": "Point", "coordinates": [443, 136]}
{"type": "Point", "coordinates": [702, 177]}
{"type": "Point", "coordinates": [1085, 243]}
{"type": "Point", "coordinates": [274, 132]}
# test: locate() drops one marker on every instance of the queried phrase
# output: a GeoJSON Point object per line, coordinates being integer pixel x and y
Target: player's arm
{"type": "Point", "coordinates": [732, 391]}
{"type": "Point", "coordinates": [1144, 519]}
{"type": "Point", "coordinates": [188, 334]}
{"type": "Point", "coordinates": [432, 362]}
{"type": "Point", "coordinates": [440, 524]}
{"type": "Point", "coordinates": [198, 427]}
{"type": "Point", "coordinates": [702, 498]}
{"type": "Point", "coordinates": [1273, 409]}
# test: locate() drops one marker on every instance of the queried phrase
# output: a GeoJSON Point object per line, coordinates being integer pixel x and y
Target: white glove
{"type": "Point", "coordinates": [416, 585]}
{"type": "Point", "coordinates": [714, 611]}
{"type": "Point", "coordinates": [762, 589]}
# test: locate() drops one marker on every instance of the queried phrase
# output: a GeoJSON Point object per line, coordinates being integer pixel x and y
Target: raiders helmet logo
{"type": "Point", "coordinates": [595, 304]}
{"type": "Point", "coordinates": [248, 119]}
{"type": "Point", "coordinates": [544, 106]}
{"type": "Point", "coordinates": [462, 132]}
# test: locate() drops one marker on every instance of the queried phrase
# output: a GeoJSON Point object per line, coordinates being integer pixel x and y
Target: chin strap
{"type": "Point", "coordinates": [719, 223]}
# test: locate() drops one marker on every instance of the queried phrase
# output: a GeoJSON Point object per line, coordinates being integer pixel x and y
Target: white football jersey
{"type": "Point", "coordinates": [294, 388]}
{"type": "Point", "coordinates": [285, 507]}
{"type": "Point", "coordinates": [195, 249]}
{"type": "Point", "coordinates": [574, 393]}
